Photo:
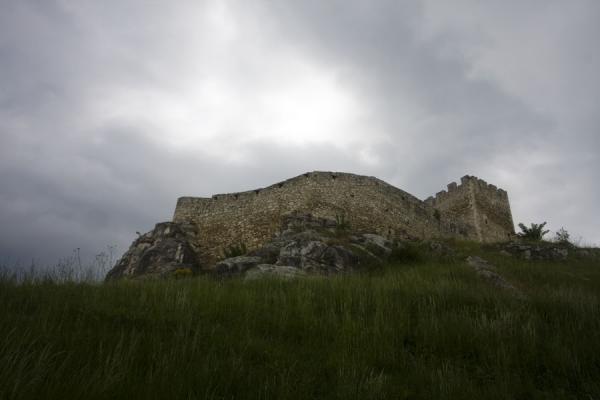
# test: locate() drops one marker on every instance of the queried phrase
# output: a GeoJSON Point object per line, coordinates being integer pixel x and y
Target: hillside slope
{"type": "Point", "coordinates": [426, 326]}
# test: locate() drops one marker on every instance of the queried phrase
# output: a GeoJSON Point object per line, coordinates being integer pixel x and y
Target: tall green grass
{"type": "Point", "coordinates": [424, 330]}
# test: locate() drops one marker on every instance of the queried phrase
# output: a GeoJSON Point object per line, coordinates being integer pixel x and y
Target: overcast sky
{"type": "Point", "coordinates": [111, 110]}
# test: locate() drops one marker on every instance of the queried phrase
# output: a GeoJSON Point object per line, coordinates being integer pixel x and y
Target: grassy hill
{"type": "Point", "coordinates": [424, 328]}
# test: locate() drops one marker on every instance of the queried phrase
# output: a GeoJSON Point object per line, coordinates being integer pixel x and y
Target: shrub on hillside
{"type": "Point", "coordinates": [535, 232]}
{"type": "Point", "coordinates": [562, 236]}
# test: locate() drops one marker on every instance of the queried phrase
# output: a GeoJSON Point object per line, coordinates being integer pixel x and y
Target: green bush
{"type": "Point", "coordinates": [535, 233]}
{"type": "Point", "coordinates": [562, 236]}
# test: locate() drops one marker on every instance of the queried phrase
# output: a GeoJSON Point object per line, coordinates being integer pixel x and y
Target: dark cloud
{"type": "Point", "coordinates": [109, 111]}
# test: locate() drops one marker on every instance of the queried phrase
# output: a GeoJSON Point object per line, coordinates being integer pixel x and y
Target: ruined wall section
{"type": "Point", "coordinates": [367, 204]}
{"type": "Point", "coordinates": [481, 206]}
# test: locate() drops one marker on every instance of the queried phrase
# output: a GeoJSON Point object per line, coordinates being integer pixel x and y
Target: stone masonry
{"type": "Point", "coordinates": [478, 204]}
{"type": "Point", "coordinates": [472, 210]}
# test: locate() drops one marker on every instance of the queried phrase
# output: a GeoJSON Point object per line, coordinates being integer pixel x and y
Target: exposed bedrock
{"type": "Point", "coordinates": [305, 244]}
{"type": "Point", "coordinates": [159, 253]}
{"type": "Point", "coordinates": [309, 245]}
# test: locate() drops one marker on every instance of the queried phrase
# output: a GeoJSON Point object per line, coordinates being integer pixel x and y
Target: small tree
{"type": "Point", "coordinates": [562, 236]}
{"type": "Point", "coordinates": [536, 232]}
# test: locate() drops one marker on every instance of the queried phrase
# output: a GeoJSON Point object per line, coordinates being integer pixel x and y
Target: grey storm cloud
{"type": "Point", "coordinates": [111, 110]}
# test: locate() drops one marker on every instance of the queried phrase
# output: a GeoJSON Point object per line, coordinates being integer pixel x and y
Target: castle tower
{"type": "Point", "coordinates": [482, 206]}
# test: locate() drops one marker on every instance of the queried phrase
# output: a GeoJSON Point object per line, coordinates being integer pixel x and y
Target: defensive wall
{"type": "Point", "coordinates": [480, 205]}
{"type": "Point", "coordinates": [468, 211]}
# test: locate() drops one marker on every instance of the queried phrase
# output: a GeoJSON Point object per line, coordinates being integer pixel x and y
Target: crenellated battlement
{"type": "Point", "coordinates": [467, 183]}
{"type": "Point", "coordinates": [367, 203]}
{"type": "Point", "coordinates": [482, 205]}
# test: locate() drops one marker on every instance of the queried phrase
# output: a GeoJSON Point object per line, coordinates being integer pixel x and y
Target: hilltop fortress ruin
{"type": "Point", "coordinates": [473, 210]}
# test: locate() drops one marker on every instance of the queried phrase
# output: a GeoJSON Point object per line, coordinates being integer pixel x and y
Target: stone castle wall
{"type": "Point", "coordinates": [366, 203]}
{"type": "Point", "coordinates": [482, 206]}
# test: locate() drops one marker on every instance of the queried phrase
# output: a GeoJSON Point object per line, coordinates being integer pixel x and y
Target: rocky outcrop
{"type": "Point", "coordinates": [308, 245]}
{"type": "Point", "coordinates": [304, 245]}
{"type": "Point", "coordinates": [159, 253]}
{"type": "Point", "coordinates": [316, 256]}
{"type": "Point", "coordinates": [537, 251]}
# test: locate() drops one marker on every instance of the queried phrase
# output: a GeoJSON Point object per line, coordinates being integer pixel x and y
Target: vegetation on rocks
{"type": "Point", "coordinates": [426, 325]}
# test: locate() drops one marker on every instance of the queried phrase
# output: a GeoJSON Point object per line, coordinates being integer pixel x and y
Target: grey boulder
{"type": "Point", "coordinates": [316, 256]}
